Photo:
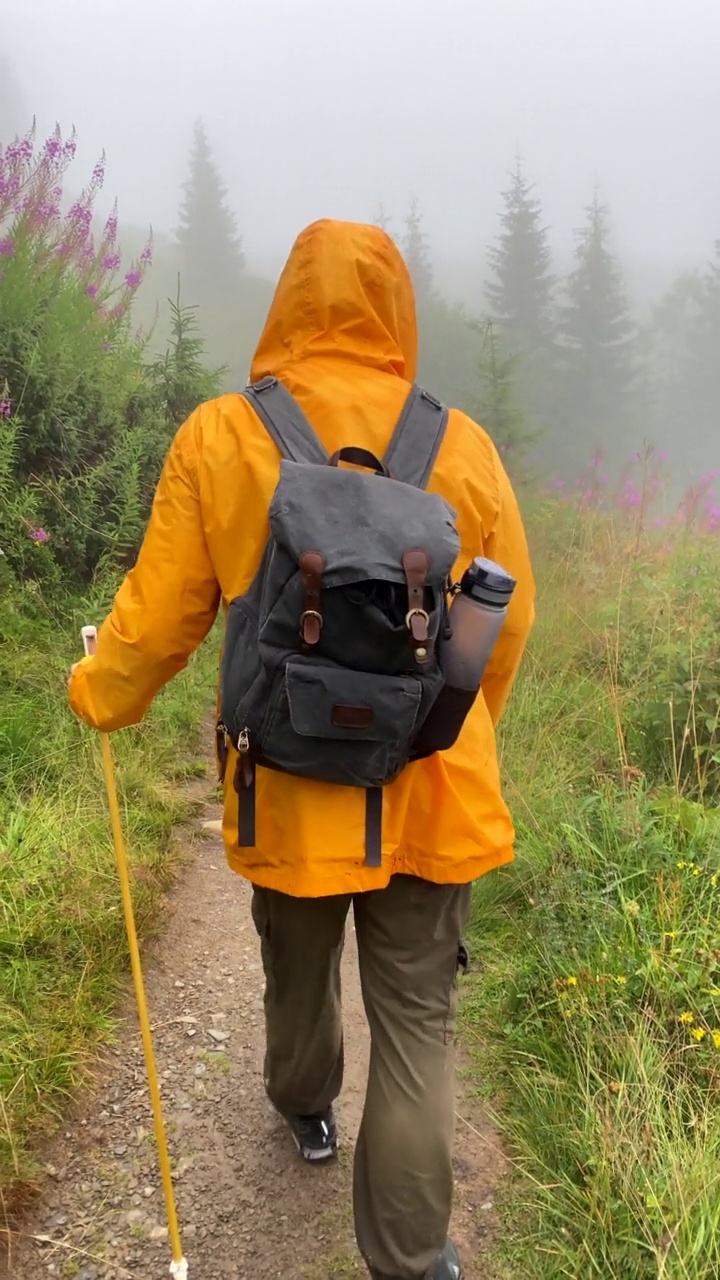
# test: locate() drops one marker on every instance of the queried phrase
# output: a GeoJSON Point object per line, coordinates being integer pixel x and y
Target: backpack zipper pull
{"type": "Point", "coordinates": [245, 771]}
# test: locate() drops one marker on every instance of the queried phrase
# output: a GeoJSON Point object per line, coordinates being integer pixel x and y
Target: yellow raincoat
{"type": "Point", "coordinates": [341, 335]}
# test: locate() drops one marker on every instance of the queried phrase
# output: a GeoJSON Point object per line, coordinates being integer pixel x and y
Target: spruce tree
{"type": "Point", "coordinates": [212, 261]}
{"type": "Point", "coordinates": [705, 369]}
{"type": "Point", "coordinates": [417, 254]}
{"type": "Point", "coordinates": [383, 220]}
{"type": "Point", "coordinates": [596, 339]}
{"type": "Point", "coordinates": [667, 351]}
{"type": "Point", "coordinates": [521, 288]}
{"type": "Point", "coordinates": [497, 408]}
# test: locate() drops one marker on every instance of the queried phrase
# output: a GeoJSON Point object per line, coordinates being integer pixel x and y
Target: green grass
{"type": "Point", "coordinates": [63, 956]}
{"type": "Point", "coordinates": [594, 1017]}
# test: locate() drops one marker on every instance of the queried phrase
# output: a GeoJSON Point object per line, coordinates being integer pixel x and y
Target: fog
{"type": "Point", "coordinates": [325, 108]}
{"type": "Point", "coordinates": [332, 108]}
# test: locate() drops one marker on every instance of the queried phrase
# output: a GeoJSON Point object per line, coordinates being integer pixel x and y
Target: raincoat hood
{"type": "Point", "coordinates": [346, 294]}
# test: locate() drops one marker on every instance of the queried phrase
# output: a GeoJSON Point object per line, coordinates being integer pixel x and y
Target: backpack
{"type": "Point", "coordinates": [331, 660]}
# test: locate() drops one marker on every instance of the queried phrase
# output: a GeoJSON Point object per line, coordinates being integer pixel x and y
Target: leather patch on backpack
{"type": "Point", "coordinates": [352, 717]}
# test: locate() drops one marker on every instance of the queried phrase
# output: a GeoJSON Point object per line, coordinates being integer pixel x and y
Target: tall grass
{"type": "Point", "coordinates": [62, 943]}
{"type": "Point", "coordinates": [595, 1015]}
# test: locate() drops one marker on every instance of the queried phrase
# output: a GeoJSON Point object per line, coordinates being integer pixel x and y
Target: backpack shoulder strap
{"type": "Point", "coordinates": [416, 440]}
{"type": "Point", "coordinates": [285, 421]}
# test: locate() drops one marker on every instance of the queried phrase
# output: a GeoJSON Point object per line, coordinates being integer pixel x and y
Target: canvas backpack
{"type": "Point", "coordinates": [331, 659]}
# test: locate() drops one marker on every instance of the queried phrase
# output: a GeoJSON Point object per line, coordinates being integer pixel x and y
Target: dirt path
{"type": "Point", "coordinates": [248, 1208]}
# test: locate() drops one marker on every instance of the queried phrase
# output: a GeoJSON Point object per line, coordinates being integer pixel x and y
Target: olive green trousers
{"type": "Point", "coordinates": [409, 939]}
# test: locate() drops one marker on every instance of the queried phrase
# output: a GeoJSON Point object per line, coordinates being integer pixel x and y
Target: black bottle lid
{"type": "Point", "coordinates": [488, 583]}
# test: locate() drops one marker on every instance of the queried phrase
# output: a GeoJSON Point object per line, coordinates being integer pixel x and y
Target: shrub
{"type": "Point", "coordinates": [84, 421]}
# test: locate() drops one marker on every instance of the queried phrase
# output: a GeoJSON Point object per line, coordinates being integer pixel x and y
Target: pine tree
{"type": "Point", "coordinates": [497, 407]}
{"type": "Point", "coordinates": [596, 337]}
{"type": "Point", "coordinates": [383, 220]}
{"type": "Point", "coordinates": [520, 293]}
{"type": "Point", "coordinates": [182, 376]}
{"type": "Point", "coordinates": [706, 336]}
{"type": "Point", "coordinates": [417, 254]}
{"type": "Point", "coordinates": [211, 255]}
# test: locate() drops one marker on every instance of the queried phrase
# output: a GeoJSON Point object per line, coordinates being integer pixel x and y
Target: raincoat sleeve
{"type": "Point", "coordinates": [164, 608]}
{"type": "Point", "coordinates": [507, 545]}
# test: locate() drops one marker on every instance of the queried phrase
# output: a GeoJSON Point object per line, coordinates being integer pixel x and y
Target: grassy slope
{"type": "Point", "coordinates": [62, 942]}
{"type": "Point", "coordinates": [594, 1014]}
{"type": "Point", "coordinates": [595, 1011]}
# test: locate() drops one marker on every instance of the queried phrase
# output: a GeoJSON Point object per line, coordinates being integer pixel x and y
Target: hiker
{"type": "Point", "coordinates": [354, 577]}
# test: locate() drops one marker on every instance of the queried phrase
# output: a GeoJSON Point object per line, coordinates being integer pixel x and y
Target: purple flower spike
{"type": "Point", "coordinates": [39, 535]}
{"type": "Point", "coordinates": [91, 291]}
{"type": "Point", "coordinates": [7, 248]}
{"type": "Point", "coordinates": [133, 278]}
{"type": "Point", "coordinates": [5, 408]}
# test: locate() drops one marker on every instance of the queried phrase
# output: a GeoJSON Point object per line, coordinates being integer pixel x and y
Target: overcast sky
{"type": "Point", "coordinates": [327, 107]}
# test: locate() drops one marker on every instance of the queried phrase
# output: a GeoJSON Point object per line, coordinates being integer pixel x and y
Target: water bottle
{"type": "Point", "coordinates": [476, 618]}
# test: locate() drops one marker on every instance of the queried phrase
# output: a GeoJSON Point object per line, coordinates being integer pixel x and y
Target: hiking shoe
{"type": "Point", "coordinates": [316, 1136]}
{"type": "Point", "coordinates": [447, 1266]}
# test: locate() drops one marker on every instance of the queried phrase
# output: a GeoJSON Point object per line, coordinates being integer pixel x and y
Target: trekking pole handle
{"type": "Point", "coordinates": [89, 639]}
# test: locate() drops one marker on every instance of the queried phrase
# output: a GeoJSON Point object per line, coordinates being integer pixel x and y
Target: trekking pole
{"type": "Point", "coordinates": [178, 1266]}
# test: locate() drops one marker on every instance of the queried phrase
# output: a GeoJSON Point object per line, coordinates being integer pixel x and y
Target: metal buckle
{"type": "Point", "coordinates": [310, 613]}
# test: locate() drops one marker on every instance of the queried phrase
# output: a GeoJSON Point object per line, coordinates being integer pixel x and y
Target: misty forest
{"type": "Point", "coordinates": [561, 225]}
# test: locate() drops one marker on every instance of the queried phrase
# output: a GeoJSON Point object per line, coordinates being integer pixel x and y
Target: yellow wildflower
{"type": "Point", "coordinates": [714, 880]}
{"type": "Point", "coordinates": [681, 865]}
{"type": "Point", "coordinates": [572, 981]}
{"type": "Point", "coordinates": [716, 1039]}
{"type": "Point", "coordinates": [698, 1033]}
{"type": "Point", "coordinates": [697, 871]}
{"type": "Point", "coordinates": [670, 934]}
{"type": "Point", "coordinates": [621, 980]}
{"type": "Point", "coordinates": [686, 1018]}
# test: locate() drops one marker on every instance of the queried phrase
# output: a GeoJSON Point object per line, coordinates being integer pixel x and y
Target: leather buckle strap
{"type": "Point", "coordinates": [311, 565]}
{"type": "Point", "coordinates": [416, 566]}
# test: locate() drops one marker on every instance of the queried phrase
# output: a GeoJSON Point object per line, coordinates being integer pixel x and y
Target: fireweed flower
{"type": "Point", "coordinates": [39, 535]}
{"type": "Point", "coordinates": [133, 278]}
{"type": "Point", "coordinates": [111, 226]}
{"type": "Point", "coordinates": [7, 248]}
{"type": "Point", "coordinates": [91, 291]}
{"type": "Point", "coordinates": [5, 408]}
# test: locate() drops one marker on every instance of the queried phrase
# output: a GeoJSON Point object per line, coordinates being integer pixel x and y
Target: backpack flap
{"type": "Point", "coordinates": [362, 525]}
